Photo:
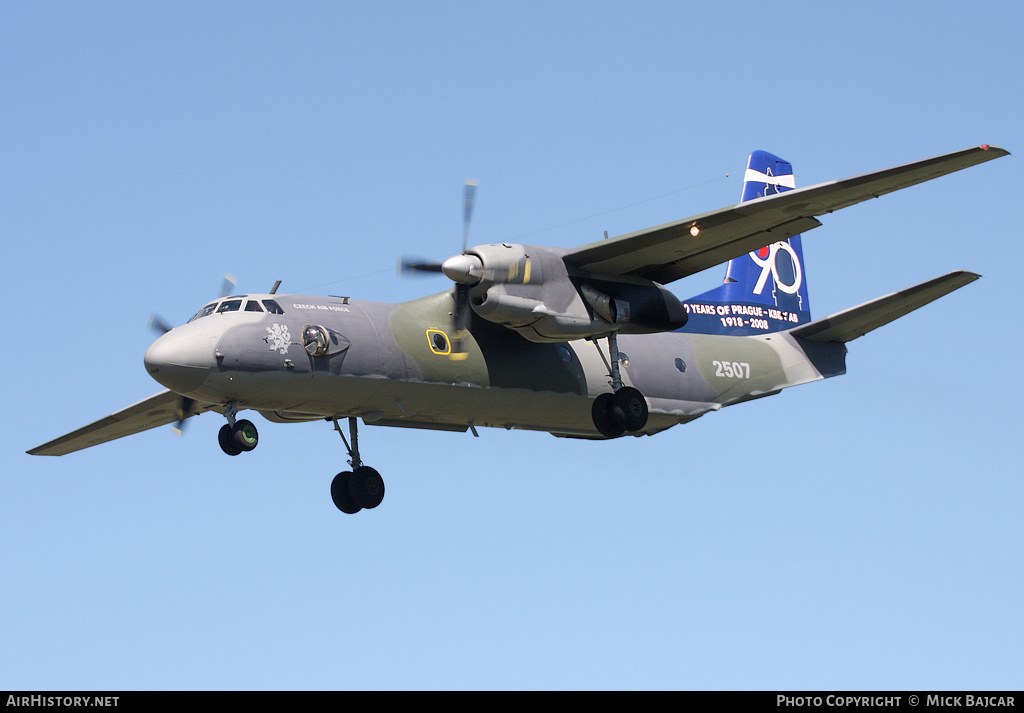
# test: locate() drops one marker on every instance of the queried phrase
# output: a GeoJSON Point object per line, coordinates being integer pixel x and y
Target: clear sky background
{"type": "Point", "coordinates": [859, 533]}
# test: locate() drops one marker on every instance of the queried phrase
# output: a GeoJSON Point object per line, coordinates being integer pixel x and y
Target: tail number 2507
{"type": "Point", "coordinates": [732, 369]}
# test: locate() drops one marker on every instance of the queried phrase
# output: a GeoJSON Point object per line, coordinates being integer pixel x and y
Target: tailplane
{"type": "Point", "coordinates": [765, 290]}
{"type": "Point", "coordinates": [857, 321]}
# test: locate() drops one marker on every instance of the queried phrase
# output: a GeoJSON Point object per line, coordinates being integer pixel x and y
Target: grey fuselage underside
{"type": "Point", "coordinates": [388, 366]}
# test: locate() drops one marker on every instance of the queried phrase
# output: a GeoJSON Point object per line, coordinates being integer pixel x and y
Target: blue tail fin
{"type": "Point", "coordinates": [765, 290]}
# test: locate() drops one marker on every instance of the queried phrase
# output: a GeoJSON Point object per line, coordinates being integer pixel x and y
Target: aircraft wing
{"type": "Point", "coordinates": [857, 321]}
{"type": "Point", "coordinates": [158, 410]}
{"type": "Point", "coordinates": [670, 252]}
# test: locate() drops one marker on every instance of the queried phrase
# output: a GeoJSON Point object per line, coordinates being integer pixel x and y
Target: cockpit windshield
{"type": "Point", "coordinates": [229, 306]}
{"type": "Point", "coordinates": [234, 304]}
{"type": "Point", "coordinates": [208, 309]}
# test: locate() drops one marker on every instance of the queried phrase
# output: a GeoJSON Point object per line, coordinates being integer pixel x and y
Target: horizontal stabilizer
{"type": "Point", "coordinates": [857, 321]}
{"type": "Point", "coordinates": [158, 410]}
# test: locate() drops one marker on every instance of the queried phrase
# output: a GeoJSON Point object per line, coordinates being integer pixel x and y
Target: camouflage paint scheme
{"type": "Point", "coordinates": [536, 352]}
{"type": "Point", "coordinates": [390, 372]}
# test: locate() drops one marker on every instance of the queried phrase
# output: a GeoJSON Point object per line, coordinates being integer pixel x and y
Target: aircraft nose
{"type": "Point", "coordinates": [181, 362]}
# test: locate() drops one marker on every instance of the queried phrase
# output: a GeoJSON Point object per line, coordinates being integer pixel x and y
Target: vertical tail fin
{"type": "Point", "coordinates": [765, 290]}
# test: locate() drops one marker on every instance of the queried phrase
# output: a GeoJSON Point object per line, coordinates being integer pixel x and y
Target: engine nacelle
{"type": "Point", "coordinates": [509, 310]}
{"type": "Point", "coordinates": [636, 307]}
{"type": "Point", "coordinates": [529, 289]}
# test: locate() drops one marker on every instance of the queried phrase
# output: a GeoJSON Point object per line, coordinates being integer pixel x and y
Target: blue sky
{"type": "Point", "coordinates": [871, 542]}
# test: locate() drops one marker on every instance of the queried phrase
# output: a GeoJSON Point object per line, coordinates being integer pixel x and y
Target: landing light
{"type": "Point", "coordinates": [694, 230]}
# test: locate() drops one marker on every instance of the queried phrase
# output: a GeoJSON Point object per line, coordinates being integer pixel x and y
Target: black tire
{"type": "Point", "coordinates": [227, 441]}
{"type": "Point", "coordinates": [245, 435]}
{"type": "Point", "coordinates": [604, 420]}
{"type": "Point", "coordinates": [366, 487]}
{"type": "Point", "coordinates": [340, 495]}
{"type": "Point", "coordinates": [630, 409]}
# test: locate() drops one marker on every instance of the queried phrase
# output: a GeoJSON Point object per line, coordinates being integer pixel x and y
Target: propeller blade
{"type": "Point", "coordinates": [415, 265]}
{"type": "Point", "coordinates": [157, 324]}
{"type": "Point", "coordinates": [184, 410]}
{"type": "Point", "coordinates": [228, 284]}
{"type": "Point", "coordinates": [462, 317]}
{"type": "Point", "coordinates": [469, 198]}
{"type": "Point", "coordinates": [408, 265]}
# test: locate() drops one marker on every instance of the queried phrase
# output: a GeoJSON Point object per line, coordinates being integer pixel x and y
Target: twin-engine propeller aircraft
{"type": "Point", "coordinates": [580, 342]}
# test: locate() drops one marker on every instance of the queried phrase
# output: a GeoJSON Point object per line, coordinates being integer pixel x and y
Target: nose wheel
{"type": "Point", "coordinates": [359, 488]}
{"type": "Point", "coordinates": [238, 437]}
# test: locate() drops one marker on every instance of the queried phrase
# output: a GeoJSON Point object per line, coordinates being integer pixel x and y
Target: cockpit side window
{"type": "Point", "coordinates": [273, 307]}
{"type": "Point", "coordinates": [208, 309]}
{"type": "Point", "coordinates": [229, 306]}
{"type": "Point", "coordinates": [253, 306]}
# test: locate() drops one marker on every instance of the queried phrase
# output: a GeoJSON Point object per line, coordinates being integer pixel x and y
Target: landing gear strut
{"type": "Point", "coordinates": [361, 487]}
{"type": "Point", "coordinates": [625, 409]}
{"type": "Point", "coordinates": [237, 436]}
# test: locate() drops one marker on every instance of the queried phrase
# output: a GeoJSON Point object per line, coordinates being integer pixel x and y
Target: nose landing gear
{"type": "Point", "coordinates": [361, 487]}
{"type": "Point", "coordinates": [237, 436]}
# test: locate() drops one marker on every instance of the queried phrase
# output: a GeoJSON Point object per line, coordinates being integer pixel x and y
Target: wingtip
{"type": "Point", "coordinates": [966, 274]}
{"type": "Point", "coordinates": [997, 150]}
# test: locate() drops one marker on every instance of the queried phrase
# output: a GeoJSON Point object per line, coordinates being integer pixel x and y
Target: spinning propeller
{"type": "Point", "coordinates": [465, 270]}
{"type": "Point", "coordinates": [158, 324]}
{"type": "Point", "coordinates": [184, 410]}
{"type": "Point", "coordinates": [184, 406]}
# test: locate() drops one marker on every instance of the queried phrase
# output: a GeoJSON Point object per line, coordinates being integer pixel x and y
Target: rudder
{"type": "Point", "coordinates": [764, 290]}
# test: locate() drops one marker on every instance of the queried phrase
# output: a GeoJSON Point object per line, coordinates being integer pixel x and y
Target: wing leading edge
{"type": "Point", "coordinates": [671, 251]}
{"type": "Point", "coordinates": [158, 410]}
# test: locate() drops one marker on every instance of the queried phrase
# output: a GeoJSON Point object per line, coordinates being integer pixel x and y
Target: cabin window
{"type": "Point", "coordinates": [681, 365]}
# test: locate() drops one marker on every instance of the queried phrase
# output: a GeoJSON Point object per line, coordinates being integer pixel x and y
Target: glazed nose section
{"type": "Point", "coordinates": [181, 362]}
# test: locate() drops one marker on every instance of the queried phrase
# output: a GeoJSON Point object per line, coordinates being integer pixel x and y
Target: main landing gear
{"type": "Point", "coordinates": [361, 487]}
{"type": "Point", "coordinates": [237, 436]}
{"type": "Point", "coordinates": [351, 490]}
{"type": "Point", "coordinates": [625, 409]}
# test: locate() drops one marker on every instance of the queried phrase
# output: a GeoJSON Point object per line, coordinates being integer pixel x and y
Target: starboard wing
{"type": "Point", "coordinates": [158, 410]}
{"type": "Point", "coordinates": [670, 252]}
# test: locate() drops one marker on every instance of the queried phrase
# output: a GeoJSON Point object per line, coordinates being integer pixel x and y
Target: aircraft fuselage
{"type": "Point", "coordinates": [390, 364]}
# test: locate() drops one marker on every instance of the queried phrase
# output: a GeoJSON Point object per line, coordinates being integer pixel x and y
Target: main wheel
{"type": "Point", "coordinates": [366, 487]}
{"type": "Point", "coordinates": [227, 441]}
{"type": "Point", "coordinates": [340, 493]}
{"type": "Point", "coordinates": [604, 419]}
{"type": "Point", "coordinates": [630, 408]}
{"type": "Point", "coordinates": [245, 435]}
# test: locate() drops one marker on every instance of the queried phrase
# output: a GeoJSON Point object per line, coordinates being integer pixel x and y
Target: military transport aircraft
{"type": "Point", "coordinates": [580, 342]}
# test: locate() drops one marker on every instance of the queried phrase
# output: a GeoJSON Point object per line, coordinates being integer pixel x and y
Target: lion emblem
{"type": "Point", "coordinates": [278, 338]}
